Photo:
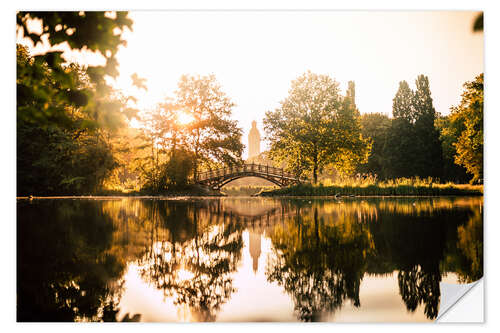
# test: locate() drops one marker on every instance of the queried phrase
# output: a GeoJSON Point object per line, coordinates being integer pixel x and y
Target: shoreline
{"type": "Point", "coordinates": [299, 191]}
{"type": "Point", "coordinates": [182, 197]}
{"type": "Point", "coordinates": [396, 190]}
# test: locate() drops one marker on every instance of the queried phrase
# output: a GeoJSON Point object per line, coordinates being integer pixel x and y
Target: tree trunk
{"type": "Point", "coordinates": [196, 148]}
{"type": "Point", "coordinates": [315, 169]}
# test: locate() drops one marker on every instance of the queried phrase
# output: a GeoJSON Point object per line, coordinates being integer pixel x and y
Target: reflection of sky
{"type": "Point", "coordinates": [381, 302]}
{"type": "Point", "coordinates": [249, 206]}
{"type": "Point", "coordinates": [255, 299]}
{"type": "Point", "coordinates": [139, 298]}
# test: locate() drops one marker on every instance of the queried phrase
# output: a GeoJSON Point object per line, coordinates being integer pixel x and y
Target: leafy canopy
{"type": "Point", "coordinates": [46, 85]}
{"type": "Point", "coordinates": [468, 116]}
{"type": "Point", "coordinates": [67, 113]}
{"type": "Point", "coordinates": [212, 136]}
{"type": "Point", "coordinates": [315, 126]}
{"type": "Point", "coordinates": [190, 131]}
{"type": "Point", "coordinates": [412, 146]}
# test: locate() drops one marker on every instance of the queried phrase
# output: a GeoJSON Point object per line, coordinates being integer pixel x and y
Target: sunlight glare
{"type": "Point", "coordinates": [184, 118]}
{"type": "Point", "coordinates": [184, 275]}
{"type": "Point", "coordinates": [134, 123]}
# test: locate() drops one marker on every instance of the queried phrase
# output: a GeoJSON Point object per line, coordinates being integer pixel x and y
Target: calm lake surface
{"type": "Point", "coordinates": [243, 259]}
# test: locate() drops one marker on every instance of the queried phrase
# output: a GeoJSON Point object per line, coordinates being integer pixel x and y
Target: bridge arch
{"type": "Point", "coordinates": [227, 181]}
{"type": "Point", "coordinates": [220, 177]}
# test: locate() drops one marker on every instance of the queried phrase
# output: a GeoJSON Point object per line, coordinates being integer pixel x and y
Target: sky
{"type": "Point", "coordinates": [255, 55]}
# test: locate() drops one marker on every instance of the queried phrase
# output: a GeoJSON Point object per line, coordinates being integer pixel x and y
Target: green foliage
{"type": "Point", "coordinates": [67, 114]}
{"type": "Point", "coordinates": [210, 138]}
{"type": "Point", "coordinates": [69, 154]}
{"type": "Point", "coordinates": [448, 135]}
{"type": "Point", "coordinates": [139, 82]}
{"type": "Point", "coordinates": [375, 127]}
{"type": "Point", "coordinates": [157, 142]}
{"type": "Point", "coordinates": [467, 118]}
{"type": "Point", "coordinates": [428, 155]}
{"type": "Point", "coordinates": [245, 190]}
{"type": "Point", "coordinates": [402, 104]}
{"type": "Point", "coordinates": [95, 31]}
{"type": "Point", "coordinates": [212, 135]}
{"type": "Point", "coordinates": [177, 170]}
{"type": "Point", "coordinates": [316, 126]}
{"type": "Point", "coordinates": [420, 142]}
{"type": "Point", "coordinates": [412, 147]}
{"type": "Point", "coordinates": [51, 161]}
{"type": "Point", "coordinates": [370, 187]}
{"type": "Point", "coordinates": [126, 176]}
{"type": "Point", "coordinates": [47, 86]}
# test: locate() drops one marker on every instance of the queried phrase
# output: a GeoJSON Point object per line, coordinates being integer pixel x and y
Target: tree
{"type": "Point", "coordinates": [315, 126]}
{"type": "Point", "coordinates": [178, 148]}
{"type": "Point", "coordinates": [402, 104]}
{"type": "Point", "coordinates": [413, 147]}
{"type": "Point", "coordinates": [470, 140]}
{"type": "Point", "coordinates": [375, 126]}
{"type": "Point", "coordinates": [65, 152]}
{"type": "Point", "coordinates": [95, 31]}
{"type": "Point", "coordinates": [448, 135]}
{"type": "Point", "coordinates": [70, 110]}
{"type": "Point", "coordinates": [428, 155]}
{"type": "Point", "coordinates": [399, 147]}
{"type": "Point", "coordinates": [161, 135]}
{"type": "Point", "coordinates": [176, 172]}
{"type": "Point", "coordinates": [212, 135]}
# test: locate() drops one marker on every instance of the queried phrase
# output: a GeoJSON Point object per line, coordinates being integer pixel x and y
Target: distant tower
{"type": "Point", "coordinates": [253, 141]}
{"type": "Point", "coordinates": [351, 92]}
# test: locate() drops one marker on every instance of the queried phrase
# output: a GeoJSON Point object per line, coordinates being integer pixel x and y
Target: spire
{"type": "Point", "coordinates": [351, 91]}
{"type": "Point", "coordinates": [253, 141]}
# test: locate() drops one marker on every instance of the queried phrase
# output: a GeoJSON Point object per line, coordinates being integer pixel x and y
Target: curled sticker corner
{"type": "Point", "coordinates": [451, 294]}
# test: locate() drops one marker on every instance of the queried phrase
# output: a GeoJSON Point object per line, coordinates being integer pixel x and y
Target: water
{"type": "Point", "coordinates": [243, 259]}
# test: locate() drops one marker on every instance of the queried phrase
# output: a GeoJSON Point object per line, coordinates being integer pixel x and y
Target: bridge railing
{"type": "Point", "coordinates": [245, 168]}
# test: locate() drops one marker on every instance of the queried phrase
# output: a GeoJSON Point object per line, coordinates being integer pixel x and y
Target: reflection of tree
{"type": "Point", "coordinates": [416, 286]}
{"type": "Point", "coordinates": [414, 243]}
{"type": "Point", "coordinates": [470, 244]}
{"type": "Point", "coordinates": [65, 269]}
{"type": "Point", "coordinates": [418, 238]}
{"type": "Point", "coordinates": [71, 255]}
{"type": "Point", "coordinates": [194, 269]}
{"type": "Point", "coordinates": [420, 266]}
{"type": "Point", "coordinates": [319, 261]}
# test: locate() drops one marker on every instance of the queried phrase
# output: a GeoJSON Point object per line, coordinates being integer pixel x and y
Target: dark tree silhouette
{"type": "Point", "coordinates": [65, 270]}
{"type": "Point", "coordinates": [194, 269]}
{"type": "Point", "coordinates": [319, 272]}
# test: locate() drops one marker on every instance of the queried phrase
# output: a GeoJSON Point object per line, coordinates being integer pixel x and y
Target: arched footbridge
{"type": "Point", "coordinates": [215, 179]}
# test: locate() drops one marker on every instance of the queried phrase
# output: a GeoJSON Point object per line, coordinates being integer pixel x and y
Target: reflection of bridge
{"type": "Point", "coordinates": [263, 219]}
{"type": "Point", "coordinates": [220, 177]}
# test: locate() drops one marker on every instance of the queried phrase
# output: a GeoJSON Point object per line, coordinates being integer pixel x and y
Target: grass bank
{"type": "Point", "coordinates": [191, 190]}
{"type": "Point", "coordinates": [400, 187]}
{"type": "Point", "coordinates": [249, 190]}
